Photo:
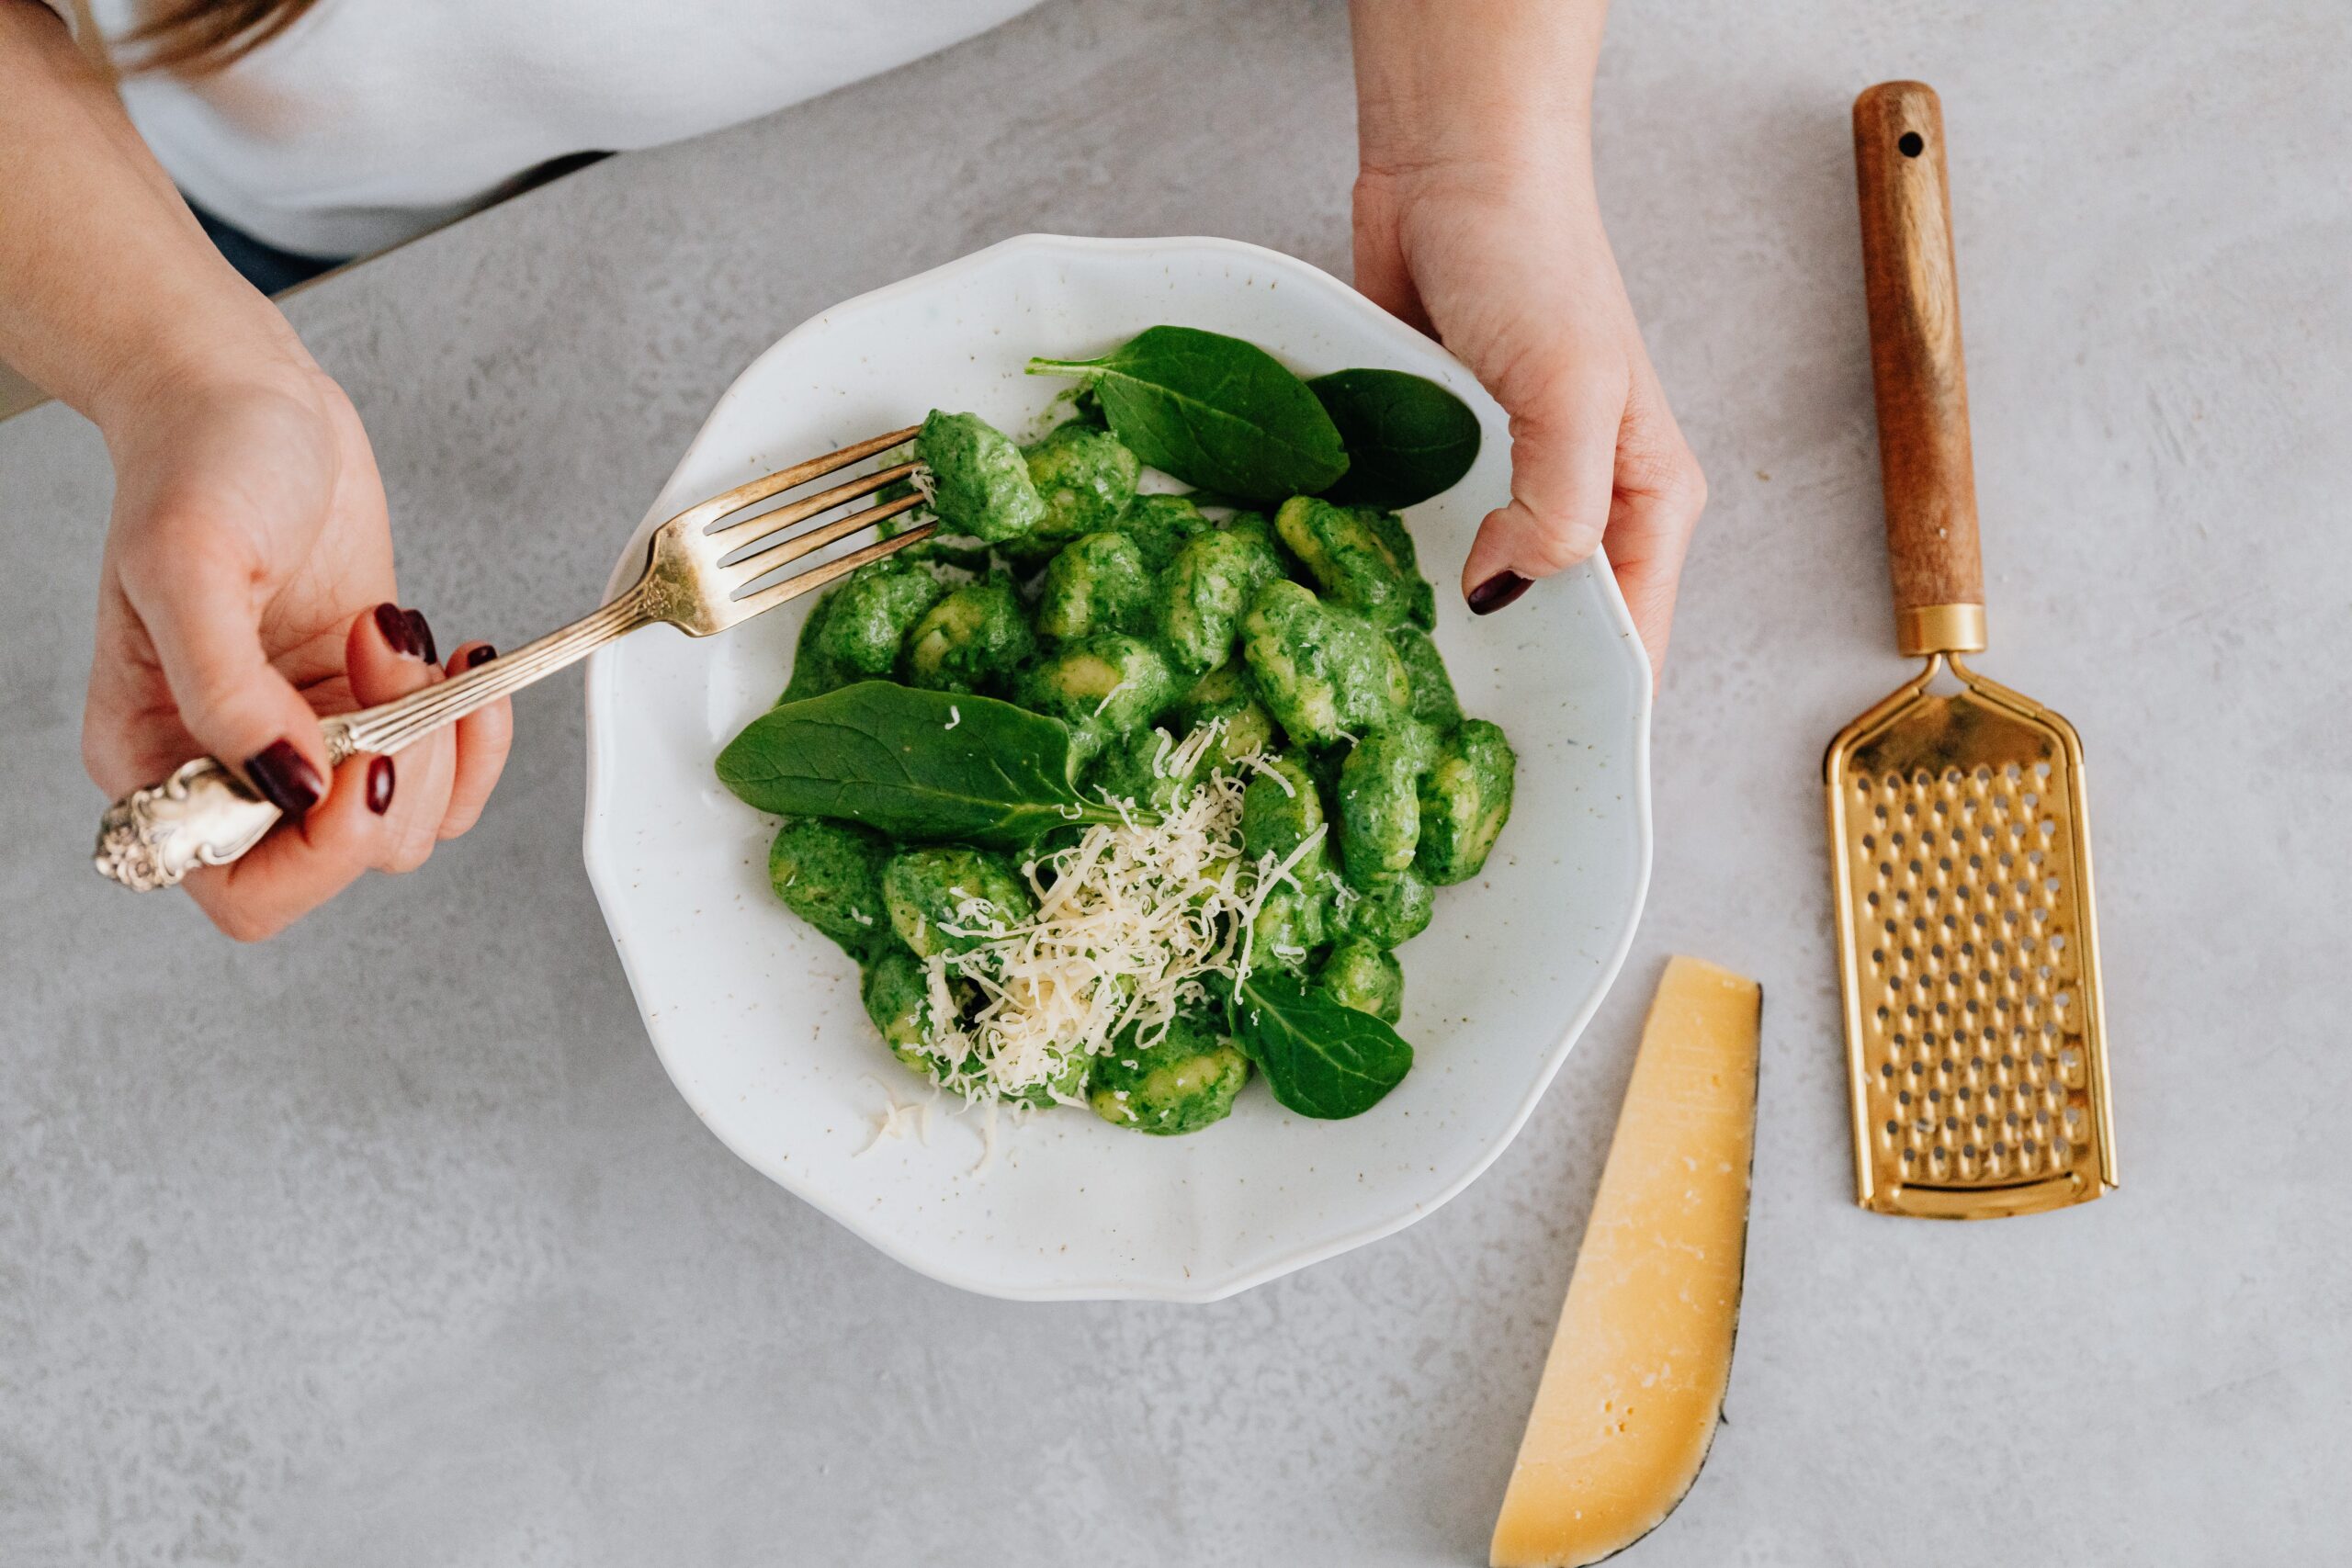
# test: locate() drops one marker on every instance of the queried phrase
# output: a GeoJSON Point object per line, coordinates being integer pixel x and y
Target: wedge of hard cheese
{"type": "Point", "coordinates": [1634, 1383]}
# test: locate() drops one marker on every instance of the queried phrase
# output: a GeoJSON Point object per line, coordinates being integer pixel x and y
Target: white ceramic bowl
{"type": "Point", "coordinates": [757, 1017]}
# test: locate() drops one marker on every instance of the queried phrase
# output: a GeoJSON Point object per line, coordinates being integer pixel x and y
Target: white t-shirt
{"type": "Point", "coordinates": [370, 121]}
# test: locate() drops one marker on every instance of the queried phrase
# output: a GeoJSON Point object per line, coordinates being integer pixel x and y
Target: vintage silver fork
{"type": "Point", "coordinates": [695, 578]}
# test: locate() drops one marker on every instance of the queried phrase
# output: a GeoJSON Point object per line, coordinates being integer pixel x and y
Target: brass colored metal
{"type": "Point", "coordinates": [1939, 629]}
{"type": "Point", "coordinates": [699, 577]}
{"type": "Point", "coordinates": [1976, 1035]}
{"type": "Point", "coordinates": [1959, 835]}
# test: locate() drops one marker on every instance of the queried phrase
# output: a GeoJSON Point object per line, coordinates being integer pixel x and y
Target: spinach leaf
{"type": "Point", "coordinates": [1321, 1059]}
{"type": "Point", "coordinates": [1408, 438]}
{"type": "Point", "coordinates": [926, 766]}
{"type": "Point", "coordinates": [1216, 411]}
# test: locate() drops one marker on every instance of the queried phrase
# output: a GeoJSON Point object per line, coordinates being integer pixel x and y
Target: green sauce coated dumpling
{"type": "Point", "coordinates": [1180, 1083]}
{"type": "Point", "coordinates": [1292, 923]}
{"type": "Point", "coordinates": [972, 640]}
{"type": "Point", "coordinates": [1420, 596]}
{"type": "Point", "coordinates": [812, 672]}
{"type": "Point", "coordinates": [1098, 584]}
{"type": "Point", "coordinates": [1280, 811]}
{"type": "Point", "coordinates": [897, 993]}
{"type": "Point", "coordinates": [1364, 975]}
{"type": "Point", "coordinates": [1066, 1084]}
{"type": "Point", "coordinates": [1224, 690]}
{"type": "Point", "coordinates": [1083, 476]}
{"type": "Point", "coordinates": [1225, 697]}
{"type": "Point", "coordinates": [1360, 557]}
{"type": "Point", "coordinates": [1159, 524]}
{"type": "Point", "coordinates": [1101, 687]}
{"type": "Point", "coordinates": [980, 483]}
{"type": "Point", "coordinates": [951, 899]}
{"type": "Point", "coordinates": [1323, 673]}
{"type": "Point", "coordinates": [1388, 913]}
{"type": "Point", "coordinates": [973, 558]}
{"type": "Point", "coordinates": [1131, 768]}
{"type": "Point", "coordinates": [867, 617]}
{"type": "Point", "coordinates": [1380, 801]}
{"type": "Point", "coordinates": [1434, 703]}
{"type": "Point", "coordinates": [1466, 800]}
{"type": "Point", "coordinates": [1140, 767]}
{"type": "Point", "coordinates": [1208, 586]}
{"type": "Point", "coordinates": [830, 873]}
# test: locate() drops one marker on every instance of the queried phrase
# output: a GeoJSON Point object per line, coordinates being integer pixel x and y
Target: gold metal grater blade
{"type": "Point", "coordinates": [1960, 836]}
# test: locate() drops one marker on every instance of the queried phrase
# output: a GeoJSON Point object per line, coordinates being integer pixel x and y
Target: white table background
{"type": "Point", "coordinates": [388, 1244]}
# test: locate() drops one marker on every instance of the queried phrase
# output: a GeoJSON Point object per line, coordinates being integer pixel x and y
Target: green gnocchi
{"type": "Point", "coordinates": [1286, 659]}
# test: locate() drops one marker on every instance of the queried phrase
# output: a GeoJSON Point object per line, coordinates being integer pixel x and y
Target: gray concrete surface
{"type": "Point", "coordinates": [389, 1243]}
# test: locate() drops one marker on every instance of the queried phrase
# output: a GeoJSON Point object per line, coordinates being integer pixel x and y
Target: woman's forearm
{"type": "Point", "coordinates": [110, 291]}
{"type": "Point", "coordinates": [1473, 81]}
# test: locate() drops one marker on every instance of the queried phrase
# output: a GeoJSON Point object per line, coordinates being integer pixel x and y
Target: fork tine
{"type": "Point", "coordinates": [792, 587]}
{"type": "Point", "coordinates": [752, 567]}
{"type": "Point", "coordinates": [765, 523]}
{"type": "Point", "coordinates": [706, 513]}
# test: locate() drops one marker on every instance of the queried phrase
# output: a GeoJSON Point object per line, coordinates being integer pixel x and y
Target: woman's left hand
{"type": "Point", "coordinates": [1476, 221]}
{"type": "Point", "coordinates": [1509, 267]}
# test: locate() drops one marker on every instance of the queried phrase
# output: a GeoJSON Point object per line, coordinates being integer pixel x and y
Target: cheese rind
{"type": "Point", "coordinates": [1634, 1385]}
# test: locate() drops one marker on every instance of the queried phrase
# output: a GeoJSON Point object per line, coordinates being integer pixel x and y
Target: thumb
{"type": "Point", "coordinates": [201, 604]}
{"type": "Point", "coordinates": [1563, 459]}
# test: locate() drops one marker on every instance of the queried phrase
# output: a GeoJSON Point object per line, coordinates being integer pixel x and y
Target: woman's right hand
{"type": "Point", "coordinates": [247, 588]}
{"type": "Point", "coordinates": [248, 583]}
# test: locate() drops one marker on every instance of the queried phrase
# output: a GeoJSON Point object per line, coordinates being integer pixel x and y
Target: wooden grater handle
{"type": "Point", "coordinates": [1915, 364]}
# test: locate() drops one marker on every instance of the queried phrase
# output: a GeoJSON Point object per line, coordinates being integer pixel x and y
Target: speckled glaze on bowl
{"type": "Point", "coordinates": [757, 1018]}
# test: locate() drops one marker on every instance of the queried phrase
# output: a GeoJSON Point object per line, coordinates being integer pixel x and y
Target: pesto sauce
{"type": "Point", "coordinates": [1131, 620]}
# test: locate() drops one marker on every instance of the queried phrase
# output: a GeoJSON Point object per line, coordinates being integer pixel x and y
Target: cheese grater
{"type": "Point", "coordinates": [1958, 828]}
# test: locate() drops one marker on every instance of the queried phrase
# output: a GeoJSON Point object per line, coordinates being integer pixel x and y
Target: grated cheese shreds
{"type": "Point", "coordinates": [987, 1145]}
{"type": "Point", "coordinates": [1129, 923]}
{"type": "Point", "coordinates": [888, 1122]}
{"type": "Point", "coordinates": [1343, 896]}
{"type": "Point", "coordinates": [1262, 763]}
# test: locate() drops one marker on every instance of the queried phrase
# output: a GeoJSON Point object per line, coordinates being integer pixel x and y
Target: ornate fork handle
{"type": "Point", "coordinates": [206, 815]}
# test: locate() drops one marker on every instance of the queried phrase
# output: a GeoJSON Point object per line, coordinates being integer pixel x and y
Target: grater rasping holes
{"type": "Point", "coordinates": [1967, 947]}
{"type": "Point", "coordinates": [1969, 955]}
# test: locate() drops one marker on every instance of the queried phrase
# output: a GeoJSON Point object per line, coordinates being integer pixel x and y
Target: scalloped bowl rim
{"type": "Point", "coordinates": [600, 732]}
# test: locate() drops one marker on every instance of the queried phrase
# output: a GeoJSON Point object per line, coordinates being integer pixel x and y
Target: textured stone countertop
{"type": "Point", "coordinates": [389, 1243]}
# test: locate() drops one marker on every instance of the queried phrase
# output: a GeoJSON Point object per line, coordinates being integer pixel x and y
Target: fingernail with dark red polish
{"type": "Point", "coordinates": [480, 656]}
{"type": "Point", "coordinates": [379, 785]}
{"type": "Point", "coordinates": [286, 777]}
{"type": "Point", "coordinates": [391, 624]}
{"type": "Point", "coordinates": [422, 636]}
{"type": "Point", "coordinates": [1498, 590]}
